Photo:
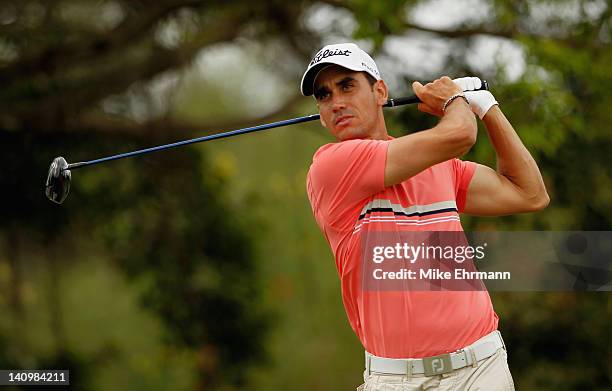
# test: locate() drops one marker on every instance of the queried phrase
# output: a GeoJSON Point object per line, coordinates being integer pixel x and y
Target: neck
{"type": "Point", "coordinates": [380, 130]}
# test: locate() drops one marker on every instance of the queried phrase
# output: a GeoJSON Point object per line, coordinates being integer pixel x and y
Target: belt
{"type": "Point", "coordinates": [435, 365]}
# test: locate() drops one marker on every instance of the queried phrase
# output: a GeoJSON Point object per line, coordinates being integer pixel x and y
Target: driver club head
{"type": "Point", "coordinates": [58, 180]}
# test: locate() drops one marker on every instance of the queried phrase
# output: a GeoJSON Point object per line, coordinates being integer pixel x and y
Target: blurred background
{"type": "Point", "coordinates": [202, 268]}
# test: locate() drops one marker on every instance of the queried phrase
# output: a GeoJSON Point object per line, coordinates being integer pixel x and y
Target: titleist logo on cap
{"type": "Point", "coordinates": [329, 53]}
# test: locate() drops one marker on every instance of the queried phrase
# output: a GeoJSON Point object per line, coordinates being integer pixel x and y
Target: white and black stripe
{"type": "Point", "coordinates": [381, 205]}
{"type": "Point", "coordinates": [401, 213]}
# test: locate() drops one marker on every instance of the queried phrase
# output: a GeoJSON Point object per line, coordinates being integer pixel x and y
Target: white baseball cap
{"type": "Point", "coordinates": [347, 55]}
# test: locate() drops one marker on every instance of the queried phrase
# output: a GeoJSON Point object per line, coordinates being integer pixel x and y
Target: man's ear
{"type": "Point", "coordinates": [382, 92]}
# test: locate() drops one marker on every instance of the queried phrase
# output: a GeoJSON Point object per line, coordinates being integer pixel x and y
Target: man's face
{"type": "Point", "coordinates": [349, 106]}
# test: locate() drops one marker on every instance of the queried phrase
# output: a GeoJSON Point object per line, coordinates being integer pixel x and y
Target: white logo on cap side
{"type": "Point", "coordinates": [363, 64]}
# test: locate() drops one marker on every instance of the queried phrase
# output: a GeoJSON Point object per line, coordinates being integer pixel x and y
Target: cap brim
{"type": "Point", "coordinates": [309, 77]}
{"type": "Point", "coordinates": [311, 74]}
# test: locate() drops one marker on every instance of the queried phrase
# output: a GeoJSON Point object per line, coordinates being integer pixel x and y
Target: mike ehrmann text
{"type": "Point", "coordinates": [437, 274]}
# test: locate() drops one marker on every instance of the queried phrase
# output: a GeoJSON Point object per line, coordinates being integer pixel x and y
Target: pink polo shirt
{"type": "Point", "coordinates": [349, 200]}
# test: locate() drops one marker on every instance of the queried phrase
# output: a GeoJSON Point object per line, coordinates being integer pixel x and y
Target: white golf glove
{"type": "Point", "coordinates": [480, 101]}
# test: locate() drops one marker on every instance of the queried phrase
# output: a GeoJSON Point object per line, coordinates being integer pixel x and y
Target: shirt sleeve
{"type": "Point", "coordinates": [463, 172]}
{"type": "Point", "coordinates": [342, 176]}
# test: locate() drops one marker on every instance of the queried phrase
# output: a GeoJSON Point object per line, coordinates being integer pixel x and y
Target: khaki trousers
{"type": "Point", "coordinates": [491, 374]}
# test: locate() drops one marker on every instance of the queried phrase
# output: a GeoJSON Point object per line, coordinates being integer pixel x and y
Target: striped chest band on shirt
{"type": "Point", "coordinates": [384, 211]}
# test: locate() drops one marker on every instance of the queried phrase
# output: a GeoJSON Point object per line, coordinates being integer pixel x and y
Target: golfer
{"type": "Point", "coordinates": [369, 182]}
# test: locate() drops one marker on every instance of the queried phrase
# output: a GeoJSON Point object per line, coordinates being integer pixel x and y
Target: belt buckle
{"type": "Point", "coordinates": [436, 365]}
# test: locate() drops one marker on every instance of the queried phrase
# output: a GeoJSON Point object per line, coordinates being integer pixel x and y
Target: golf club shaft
{"type": "Point", "coordinates": [313, 117]}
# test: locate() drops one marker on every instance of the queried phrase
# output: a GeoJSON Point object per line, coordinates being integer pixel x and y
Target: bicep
{"type": "Point", "coordinates": [344, 174]}
{"type": "Point", "coordinates": [492, 194]}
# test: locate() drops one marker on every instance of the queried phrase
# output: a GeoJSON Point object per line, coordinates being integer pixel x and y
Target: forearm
{"type": "Point", "coordinates": [513, 159]}
{"type": "Point", "coordinates": [458, 123]}
{"type": "Point", "coordinates": [453, 136]}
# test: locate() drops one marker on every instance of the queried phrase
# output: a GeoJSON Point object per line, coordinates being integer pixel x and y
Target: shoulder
{"type": "Point", "coordinates": [348, 149]}
{"type": "Point", "coordinates": [341, 146]}
{"type": "Point", "coordinates": [350, 162]}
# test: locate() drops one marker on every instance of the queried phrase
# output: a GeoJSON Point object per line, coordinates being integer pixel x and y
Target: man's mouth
{"type": "Point", "coordinates": [343, 120]}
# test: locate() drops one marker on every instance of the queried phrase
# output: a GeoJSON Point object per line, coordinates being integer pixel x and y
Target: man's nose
{"type": "Point", "coordinates": [338, 103]}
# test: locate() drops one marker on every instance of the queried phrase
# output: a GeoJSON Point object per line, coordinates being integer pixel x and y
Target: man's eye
{"type": "Point", "coordinates": [322, 95]}
{"type": "Point", "coordinates": [347, 86]}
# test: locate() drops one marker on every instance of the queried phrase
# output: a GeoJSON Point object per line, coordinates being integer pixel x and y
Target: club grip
{"type": "Point", "coordinates": [409, 100]}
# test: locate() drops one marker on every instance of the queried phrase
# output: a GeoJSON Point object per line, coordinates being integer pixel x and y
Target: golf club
{"type": "Point", "coordinates": [59, 176]}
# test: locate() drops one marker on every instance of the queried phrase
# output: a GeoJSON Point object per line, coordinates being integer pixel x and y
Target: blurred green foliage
{"type": "Point", "coordinates": [202, 268]}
